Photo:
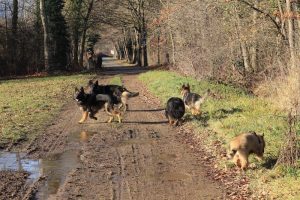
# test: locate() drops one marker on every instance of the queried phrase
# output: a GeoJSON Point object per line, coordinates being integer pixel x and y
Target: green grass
{"type": "Point", "coordinates": [231, 112]}
{"type": "Point", "coordinates": [116, 80]}
{"type": "Point", "coordinates": [28, 105]}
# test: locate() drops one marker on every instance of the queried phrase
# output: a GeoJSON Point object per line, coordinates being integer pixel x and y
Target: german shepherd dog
{"type": "Point", "coordinates": [245, 144]}
{"type": "Point", "coordinates": [90, 104]}
{"type": "Point", "coordinates": [174, 111]}
{"type": "Point", "coordinates": [119, 94]}
{"type": "Point", "coordinates": [191, 100]}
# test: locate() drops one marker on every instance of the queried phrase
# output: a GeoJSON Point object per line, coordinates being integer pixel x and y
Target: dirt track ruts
{"type": "Point", "coordinates": [139, 159]}
{"type": "Point", "coordinates": [142, 158]}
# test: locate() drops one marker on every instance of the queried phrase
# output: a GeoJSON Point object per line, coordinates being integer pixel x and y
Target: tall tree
{"type": "Point", "coordinates": [58, 35]}
{"type": "Point", "coordinates": [291, 32]}
{"type": "Point", "coordinates": [46, 34]}
{"type": "Point", "coordinates": [74, 10]}
{"type": "Point", "coordinates": [84, 31]}
{"type": "Point", "coordinates": [14, 37]}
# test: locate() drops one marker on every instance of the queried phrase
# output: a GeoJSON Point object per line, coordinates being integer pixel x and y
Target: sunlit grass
{"type": "Point", "coordinates": [116, 80]}
{"type": "Point", "coordinates": [228, 113]}
{"type": "Point", "coordinates": [28, 105]}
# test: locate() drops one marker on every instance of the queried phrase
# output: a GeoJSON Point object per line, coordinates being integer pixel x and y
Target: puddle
{"type": "Point", "coordinates": [82, 137]}
{"type": "Point", "coordinates": [17, 162]}
{"type": "Point", "coordinates": [55, 168]}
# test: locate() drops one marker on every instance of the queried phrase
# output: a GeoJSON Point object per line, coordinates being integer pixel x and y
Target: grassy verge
{"type": "Point", "coordinates": [116, 80]}
{"type": "Point", "coordinates": [230, 112]}
{"type": "Point", "coordinates": [28, 105]}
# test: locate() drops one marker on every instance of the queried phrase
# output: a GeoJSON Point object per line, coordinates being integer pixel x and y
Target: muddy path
{"type": "Point", "coordinates": [139, 159]}
{"type": "Point", "coordinates": [142, 158]}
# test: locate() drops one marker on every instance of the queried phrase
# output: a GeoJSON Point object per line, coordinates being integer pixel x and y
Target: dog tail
{"type": "Point", "coordinates": [204, 97]}
{"type": "Point", "coordinates": [206, 94]}
{"type": "Point", "coordinates": [129, 94]}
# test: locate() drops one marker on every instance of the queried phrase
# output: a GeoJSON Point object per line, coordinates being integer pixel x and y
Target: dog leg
{"type": "Point", "coordinates": [244, 160]}
{"type": "Point", "coordinates": [110, 119]}
{"type": "Point", "coordinates": [84, 117]}
{"type": "Point", "coordinates": [119, 118]}
{"type": "Point", "coordinates": [193, 111]}
{"type": "Point", "coordinates": [180, 122]}
{"type": "Point", "coordinates": [259, 158]}
{"type": "Point", "coordinates": [176, 123]}
{"type": "Point", "coordinates": [106, 109]}
{"type": "Point", "coordinates": [198, 112]}
{"type": "Point", "coordinates": [91, 115]}
{"type": "Point", "coordinates": [171, 121]}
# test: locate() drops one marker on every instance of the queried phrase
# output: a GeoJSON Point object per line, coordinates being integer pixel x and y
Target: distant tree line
{"type": "Point", "coordinates": [45, 35]}
{"type": "Point", "coordinates": [235, 41]}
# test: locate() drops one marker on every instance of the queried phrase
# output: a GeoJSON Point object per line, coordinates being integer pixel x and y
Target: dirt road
{"type": "Point", "coordinates": [142, 158]}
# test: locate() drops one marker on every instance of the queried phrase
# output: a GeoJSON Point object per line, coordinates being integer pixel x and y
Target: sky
{"type": "Point", "coordinates": [27, 4]}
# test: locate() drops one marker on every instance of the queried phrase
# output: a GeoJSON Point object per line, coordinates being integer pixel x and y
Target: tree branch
{"type": "Point", "coordinates": [267, 15]}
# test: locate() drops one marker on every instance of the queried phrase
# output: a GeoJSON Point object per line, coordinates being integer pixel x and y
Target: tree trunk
{"type": "Point", "coordinates": [75, 49]}
{"type": "Point", "coordinates": [291, 34]}
{"type": "Point", "coordinates": [83, 38]}
{"type": "Point", "coordinates": [144, 49]}
{"type": "Point", "coordinates": [158, 49]}
{"type": "Point", "coordinates": [253, 49]}
{"type": "Point", "coordinates": [144, 38]}
{"type": "Point", "coordinates": [14, 39]}
{"type": "Point", "coordinates": [46, 36]}
{"type": "Point", "coordinates": [173, 47]}
{"type": "Point", "coordinates": [86, 20]}
{"type": "Point", "coordinates": [138, 48]}
{"type": "Point", "coordinates": [243, 46]}
{"type": "Point", "coordinates": [6, 27]}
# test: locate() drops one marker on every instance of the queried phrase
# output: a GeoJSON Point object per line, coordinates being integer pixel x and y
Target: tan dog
{"type": "Point", "coordinates": [245, 144]}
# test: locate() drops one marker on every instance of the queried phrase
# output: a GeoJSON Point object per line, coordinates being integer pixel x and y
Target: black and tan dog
{"type": "Point", "coordinates": [91, 103]}
{"type": "Point", "coordinates": [174, 111]}
{"type": "Point", "coordinates": [191, 100]}
{"type": "Point", "coordinates": [119, 94]}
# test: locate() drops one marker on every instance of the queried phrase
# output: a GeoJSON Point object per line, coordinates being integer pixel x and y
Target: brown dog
{"type": "Point", "coordinates": [245, 144]}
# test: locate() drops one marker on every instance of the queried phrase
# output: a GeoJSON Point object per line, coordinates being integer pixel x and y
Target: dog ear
{"type": "Point", "coordinates": [90, 82]}
{"type": "Point", "coordinates": [81, 89]}
{"type": "Point", "coordinates": [96, 83]}
{"type": "Point", "coordinates": [188, 85]}
{"type": "Point", "coordinates": [253, 132]}
{"type": "Point", "coordinates": [263, 135]}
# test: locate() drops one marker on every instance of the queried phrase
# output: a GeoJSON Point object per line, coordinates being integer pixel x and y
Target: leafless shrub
{"type": "Point", "coordinates": [284, 91]}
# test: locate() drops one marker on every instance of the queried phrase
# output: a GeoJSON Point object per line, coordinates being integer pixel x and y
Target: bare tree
{"type": "Point", "coordinates": [46, 36]}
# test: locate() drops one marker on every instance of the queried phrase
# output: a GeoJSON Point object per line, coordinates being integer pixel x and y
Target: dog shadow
{"type": "Point", "coordinates": [128, 122]}
{"type": "Point", "coordinates": [145, 122]}
{"type": "Point", "coordinates": [269, 163]}
{"type": "Point", "coordinates": [203, 118]}
{"type": "Point", "coordinates": [224, 113]}
{"type": "Point", "coordinates": [149, 110]}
